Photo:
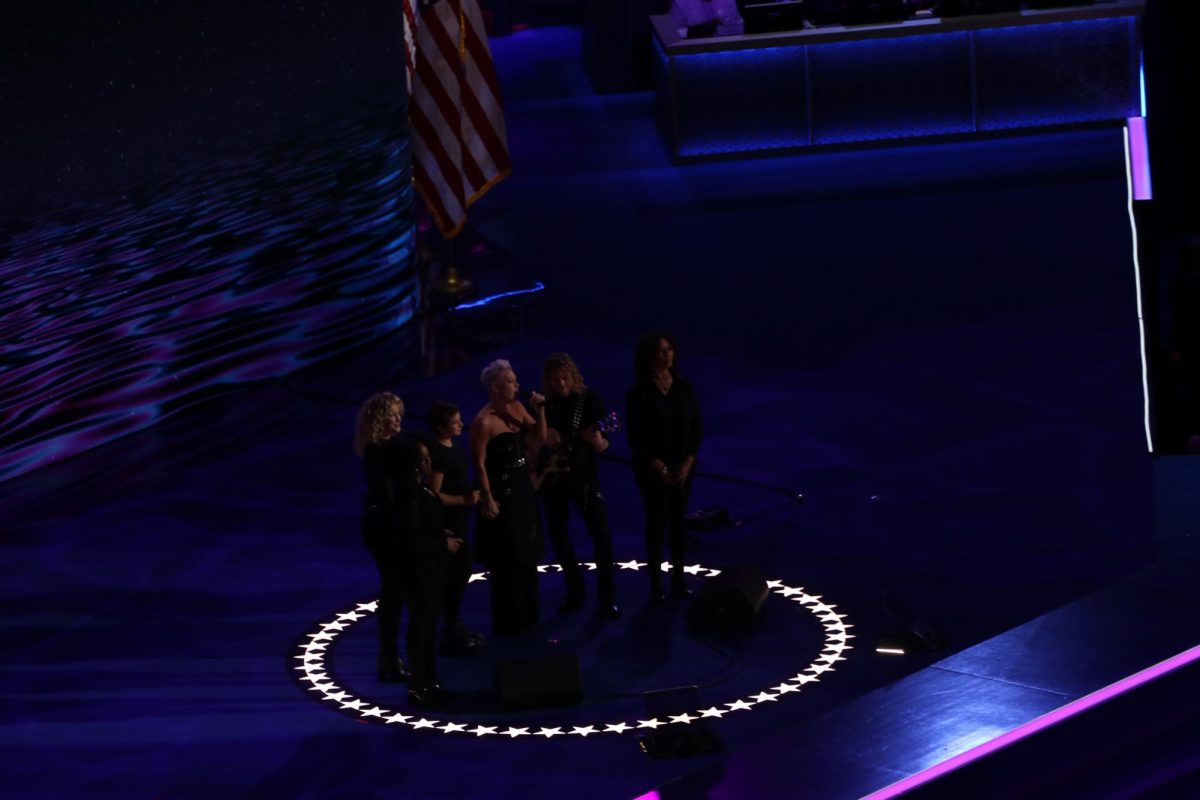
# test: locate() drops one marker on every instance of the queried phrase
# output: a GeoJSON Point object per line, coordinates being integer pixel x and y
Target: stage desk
{"type": "Point", "coordinates": [956, 76]}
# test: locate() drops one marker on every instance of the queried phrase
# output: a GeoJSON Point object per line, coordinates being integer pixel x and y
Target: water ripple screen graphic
{"type": "Point", "coordinates": [124, 310]}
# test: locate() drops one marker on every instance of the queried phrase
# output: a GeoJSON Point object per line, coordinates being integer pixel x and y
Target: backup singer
{"type": "Point", "coordinates": [451, 482]}
{"type": "Point", "coordinates": [379, 420]}
{"type": "Point", "coordinates": [426, 547]}
{"type": "Point", "coordinates": [573, 440]}
{"type": "Point", "coordinates": [508, 531]}
{"type": "Point", "coordinates": [664, 427]}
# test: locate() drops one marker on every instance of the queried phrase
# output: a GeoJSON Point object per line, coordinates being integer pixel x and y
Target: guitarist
{"type": "Point", "coordinates": [573, 438]}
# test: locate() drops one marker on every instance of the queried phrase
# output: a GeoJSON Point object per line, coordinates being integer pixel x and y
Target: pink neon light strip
{"type": "Point", "coordinates": [1139, 158]}
{"type": "Point", "coordinates": [1041, 723]}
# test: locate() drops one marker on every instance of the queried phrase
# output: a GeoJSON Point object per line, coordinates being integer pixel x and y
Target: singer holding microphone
{"type": "Point", "coordinates": [508, 533]}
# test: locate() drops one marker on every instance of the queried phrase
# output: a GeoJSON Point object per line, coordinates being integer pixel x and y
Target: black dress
{"type": "Point", "coordinates": [511, 544]}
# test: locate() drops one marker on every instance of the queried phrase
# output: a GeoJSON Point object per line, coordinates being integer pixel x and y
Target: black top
{"type": "Point", "coordinates": [379, 463]}
{"type": "Point", "coordinates": [561, 416]}
{"type": "Point", "coordinates": [663, 426]}
{"type": "Point", "coordinates": [451, 462]}
{"type": "Point", "coordinates": [418, 517]}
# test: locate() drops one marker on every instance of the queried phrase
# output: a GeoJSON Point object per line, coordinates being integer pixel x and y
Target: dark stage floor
{"type": "Point", "coordinates": [935, 345]}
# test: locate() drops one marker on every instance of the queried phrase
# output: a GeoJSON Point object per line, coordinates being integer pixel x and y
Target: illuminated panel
{"type": "Point", "coordinates": [312, 672]}
{"type": "Point", "coordinates": [124, 310]}
{"type": "Point", "coordinates": [1057, 73]}
{"type": "Point", "coordinates": [786, 97]}
{"type": "Point", "coordinates": [891, 88]}
{"type": "Point", "coordinates": [740, 100]}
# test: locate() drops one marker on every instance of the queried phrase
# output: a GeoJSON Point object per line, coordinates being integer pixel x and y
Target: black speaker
{"type": "Point", "coordinates": [539, 682]}
{"type": "Point", "coordinates": [730, 601]}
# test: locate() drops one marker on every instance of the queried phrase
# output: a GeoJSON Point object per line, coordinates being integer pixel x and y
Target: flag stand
{"type": "Point", "coordinates": [451, 283]}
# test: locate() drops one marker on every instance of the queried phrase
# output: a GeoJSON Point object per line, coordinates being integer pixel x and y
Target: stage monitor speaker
{"type": "Point", "coordinates": [541, 682]}
{"type": "Point", "coordinates": [730, 601]}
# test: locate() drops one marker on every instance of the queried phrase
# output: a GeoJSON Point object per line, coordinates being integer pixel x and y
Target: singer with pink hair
{"type": "Point", "coordinates": [508, 532]}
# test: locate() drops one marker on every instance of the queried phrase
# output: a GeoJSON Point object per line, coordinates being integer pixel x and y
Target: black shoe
{"type": "Point", "coordinates": [431, 697]}
{"type": "Point", "coordinates": [392, 669]}
{"type": "Point", "coordinates": [609, 611]}
{"type": "Point", "coordinates": [458, 640]}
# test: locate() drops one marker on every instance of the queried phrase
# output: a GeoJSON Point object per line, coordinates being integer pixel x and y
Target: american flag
{"type": "Point", "coordinates": [460, 147]}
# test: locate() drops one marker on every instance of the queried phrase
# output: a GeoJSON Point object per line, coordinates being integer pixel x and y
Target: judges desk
{"type": "Point", "coordinates": [954, 76]}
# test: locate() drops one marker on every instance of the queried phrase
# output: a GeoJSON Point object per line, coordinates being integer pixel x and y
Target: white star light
{"type": "Point", "coordinates": [309, 664]}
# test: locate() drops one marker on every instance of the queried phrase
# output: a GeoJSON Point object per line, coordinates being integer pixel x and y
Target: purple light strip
{"type": "Point", "coordinates": [1139, 158]}
{"type": "Point", "coordinates": [1035, 726]}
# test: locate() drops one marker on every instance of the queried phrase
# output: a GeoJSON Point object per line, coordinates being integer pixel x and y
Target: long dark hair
{"type": "Point", "coordinates": [645, 351]}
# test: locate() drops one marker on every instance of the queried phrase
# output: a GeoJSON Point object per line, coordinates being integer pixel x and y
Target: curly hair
{"type": "Point", "coordinates": [556, 361]}
{"type": "Point", "coordinates": [493, 371]}
{"type": "Point", "coordinates": [645, 352]}
{"type": "Point", "coordinates": [370, 426]}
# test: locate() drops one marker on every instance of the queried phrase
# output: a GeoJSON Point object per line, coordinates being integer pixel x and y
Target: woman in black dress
{"type": "Point", "coordinates": [508, 532]}
{"type": "Point", "coordinates": [426, 547]}
{"type": "Point", "coordinates": [379, 420]}
{"type": "Point", "coordinates": [663, 423]}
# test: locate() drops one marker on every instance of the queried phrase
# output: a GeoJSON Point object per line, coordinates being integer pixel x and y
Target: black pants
{"type": "Point", "coordinates": [458, 575]}
{"type": "Point", "coordinates": [425, 587]}
{"type": "Point", "coordinates": [513, 589]}
{"type": "Point", "coordinates": [589, 501]}
{"type": "Point", "coordinates": [665, 507]}
{"type": "Point", "coordinates": [385, 550]}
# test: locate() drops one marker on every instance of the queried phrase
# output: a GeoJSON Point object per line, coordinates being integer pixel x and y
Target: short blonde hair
{"type": "Point", "coordinates": [492, 372]}
{"type": "Point", "coordinates": [369, 428]}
